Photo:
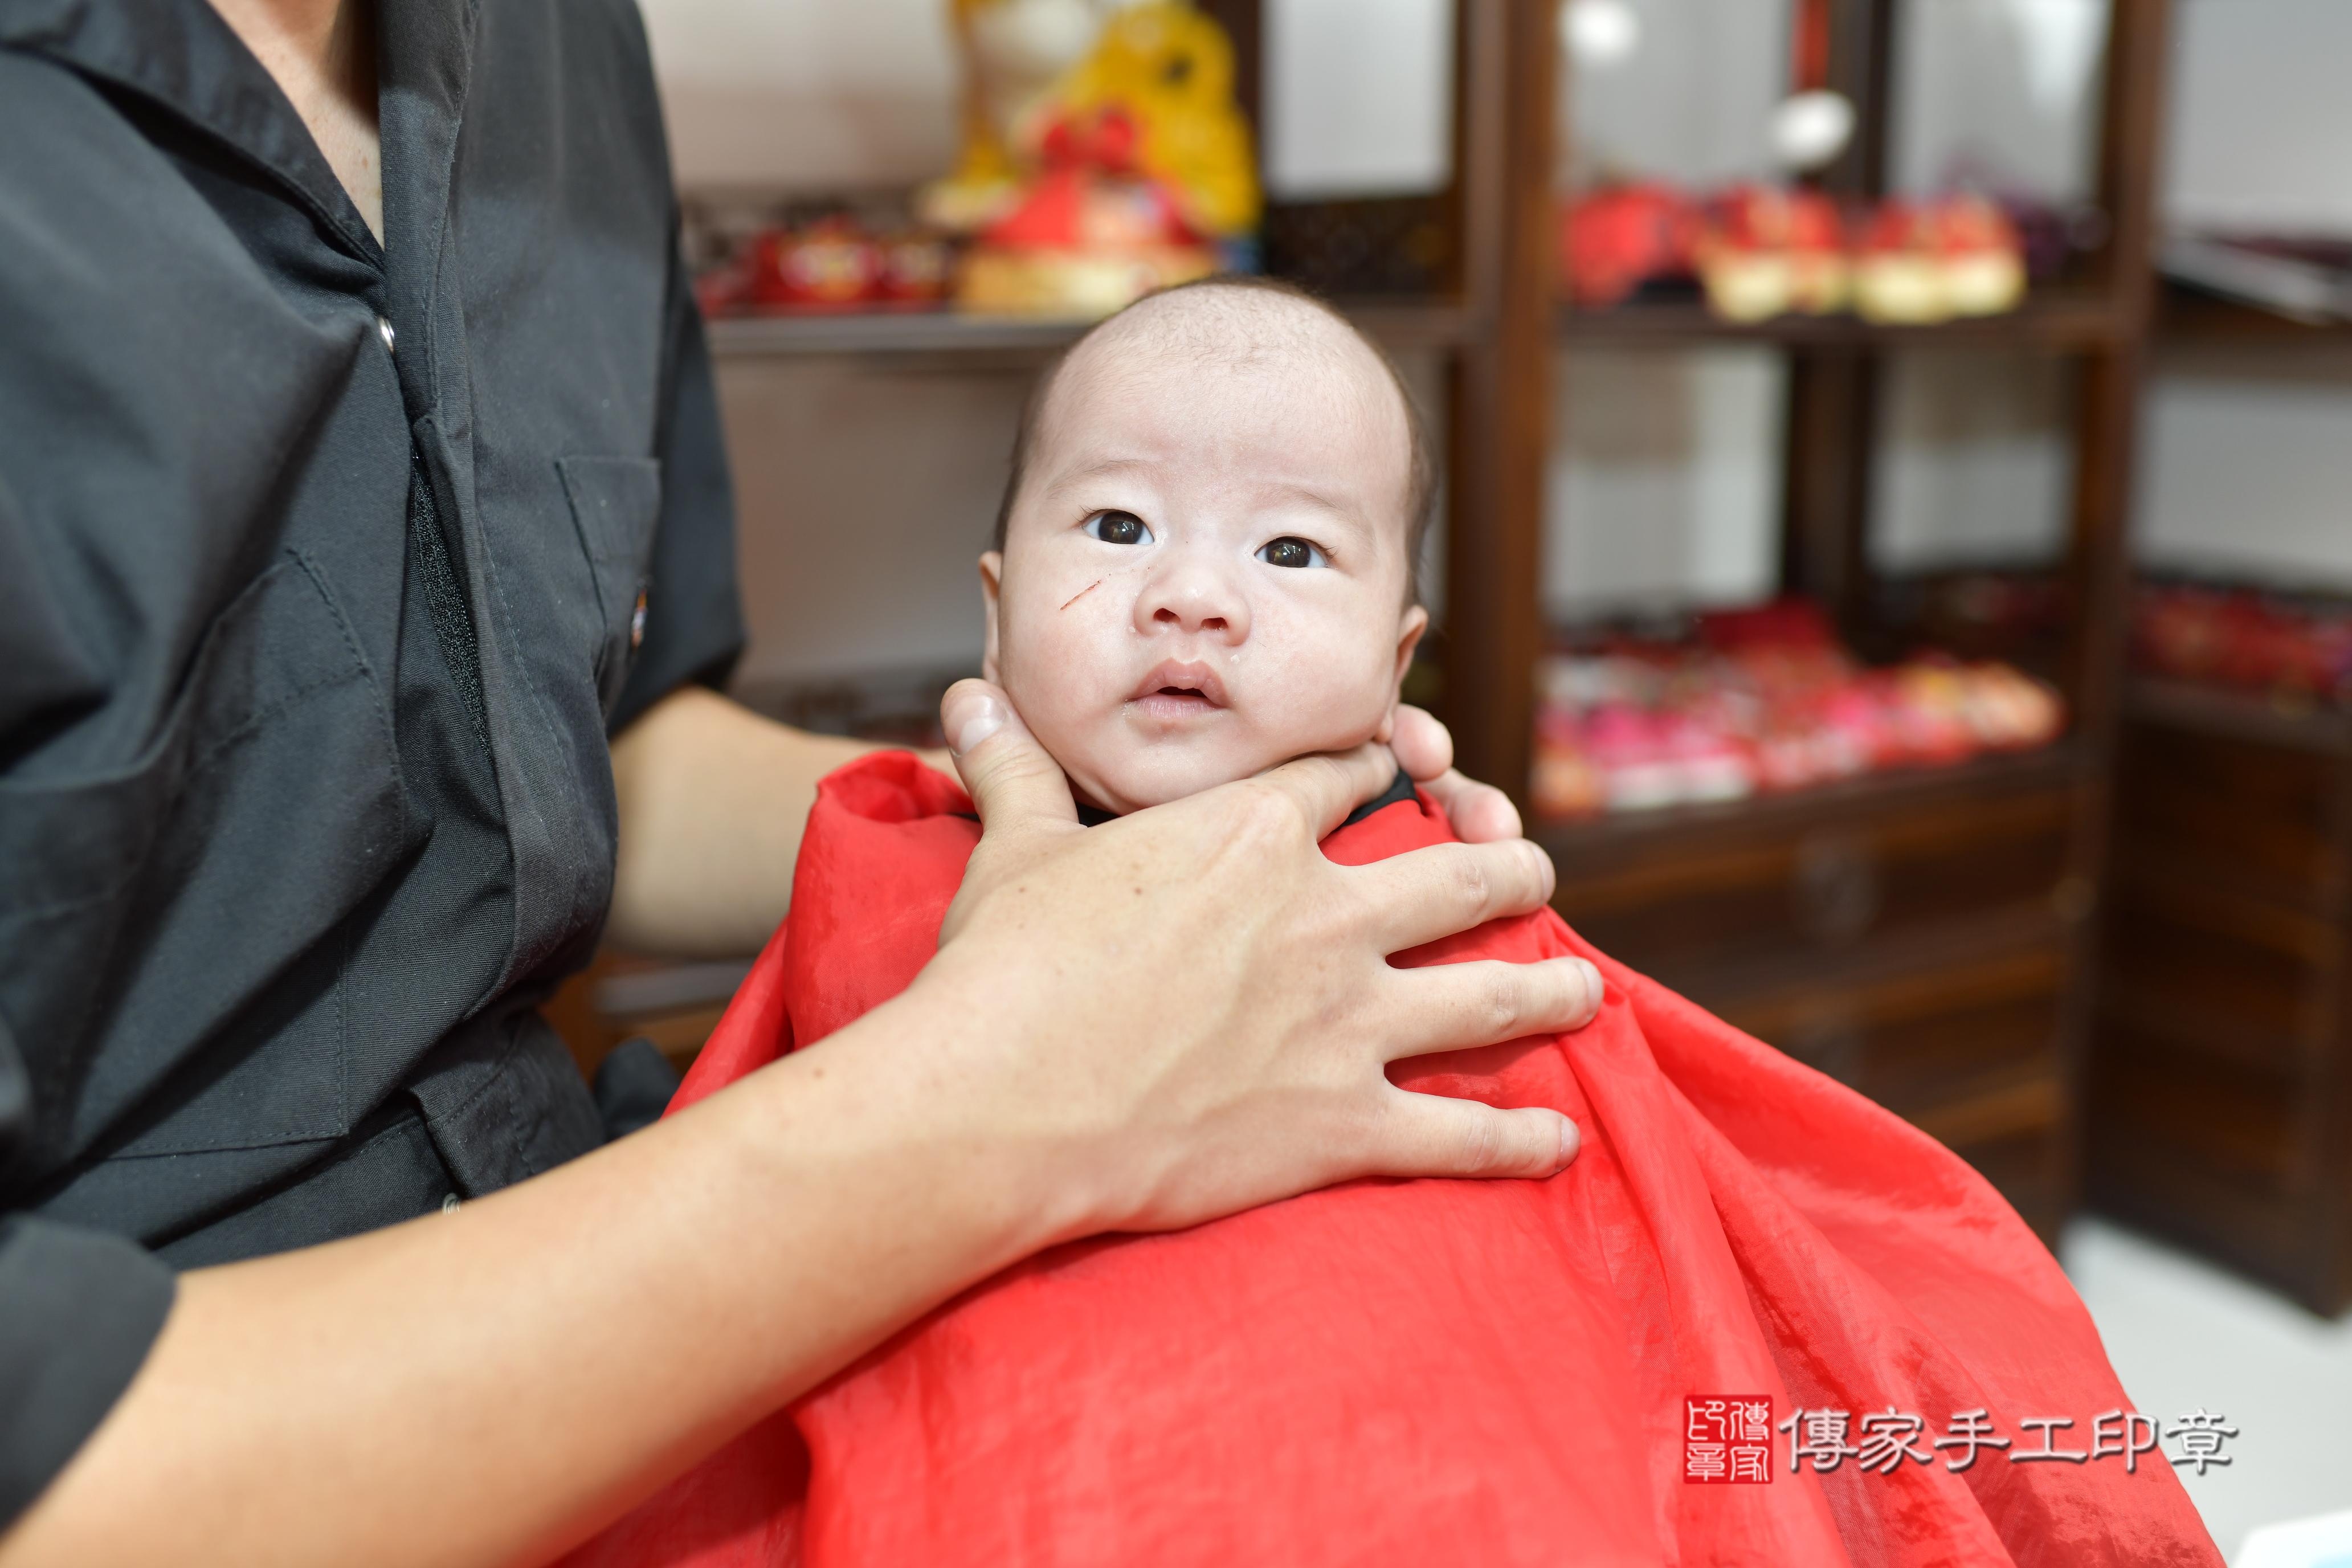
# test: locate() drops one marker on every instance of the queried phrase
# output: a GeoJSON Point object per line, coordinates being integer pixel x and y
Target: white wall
{"type": "Point", "coordinates": [1664, 482]}
{"type": "Point", "coordinates": [2249, 476]}
{"type": "Point", "coordinates": [2249, 471]}
{"type": "Point", "coordinates": [1691, 102]}
{"type": "Point", "coordinates": [811, 95]}
{"type": "Point", "coordinates": [2262, 118]}
{"type": "Point", "coordinates": [2002, 94]}
{"type": "Point", "coordinates": [864, 494]}
{"type": "Point", "coordinates": [866, 489]}
{"type": "Point", "coordinates": [2240, 474]}
{"type": "Point", "coordinates": [1359, 96]}
{"type": "Point", "coordinates": [804, 94]}
{"type": "Point", "coordinates": [878, 483]}
{"type": "Point", "coordinates": [1975, 462]}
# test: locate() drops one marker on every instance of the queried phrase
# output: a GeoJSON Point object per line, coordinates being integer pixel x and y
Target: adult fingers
{"type": "Point", "coordinates": [1452, 1006]}
{"type": "Point", "coordinates": [1010, 777]}
{"type": "Point", "coordinates": [1425, 894]}
{"type": "Point", "coordinates": [1431, 1135]}
{"type": "Point", "coordinates": [1424, 747]}
{"type": "Point", "coordinates": [1480, 813]}
{"type": "Point", "coordinates": [1326, 788]}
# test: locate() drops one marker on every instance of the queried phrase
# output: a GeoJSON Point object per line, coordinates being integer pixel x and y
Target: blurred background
{"type": "Point", "coordinates": [1898, 537]}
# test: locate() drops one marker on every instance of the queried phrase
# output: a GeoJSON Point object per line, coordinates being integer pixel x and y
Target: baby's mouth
{"type": "Point", "coordinates": [1178, 692]}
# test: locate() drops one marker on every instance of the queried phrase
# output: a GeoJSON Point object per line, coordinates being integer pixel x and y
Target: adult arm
{"type": "Point", "coordinates": [1133, 1026]}
{"type": "Point", "coordinates": [713, 799]}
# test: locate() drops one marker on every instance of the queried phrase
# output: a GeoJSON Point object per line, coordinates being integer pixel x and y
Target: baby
{"type": "Point", "coordinates": [1204, 567]}
{"type": "Point", "coordinates": [1204, 563]}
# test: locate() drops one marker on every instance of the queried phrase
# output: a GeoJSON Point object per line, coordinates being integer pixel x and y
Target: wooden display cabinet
{"type": "Point", "coordinates": [2220, 1085]}
{"type": "Point", "coordinates": [2221, 1070]}
{"type": "Point", "coordinates": [1920, 935]}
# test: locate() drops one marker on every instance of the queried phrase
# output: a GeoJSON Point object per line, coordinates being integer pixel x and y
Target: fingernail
{"type": "Point", "coordinates": [1592, 987]}
{"type": "Point", "coordinates": [1570, 1141]}
{"type": "Point", "coordinates": [984, 717]}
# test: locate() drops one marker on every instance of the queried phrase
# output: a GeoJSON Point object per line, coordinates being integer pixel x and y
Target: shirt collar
{"type": "Point", "coordinates": [180, 55]}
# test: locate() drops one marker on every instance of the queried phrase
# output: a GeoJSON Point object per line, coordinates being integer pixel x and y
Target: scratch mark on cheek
{"type": "Point", "coordinates": [1084, 592]}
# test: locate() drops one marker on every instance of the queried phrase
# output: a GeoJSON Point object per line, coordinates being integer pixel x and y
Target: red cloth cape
{"type": "Point", "coordinates": [1431, 1371]}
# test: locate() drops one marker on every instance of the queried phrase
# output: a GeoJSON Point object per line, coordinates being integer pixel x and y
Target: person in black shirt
{"type": "Point", "coordinates": [365, 571]}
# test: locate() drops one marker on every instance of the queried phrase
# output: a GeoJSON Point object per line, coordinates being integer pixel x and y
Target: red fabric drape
{"type": "Point", "coordinates": [1421, 1371]}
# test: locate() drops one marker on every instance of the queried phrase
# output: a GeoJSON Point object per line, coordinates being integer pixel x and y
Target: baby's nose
{"type": "Point", "coordinates": [1169, 615]}
{"type": "Point", "coordinates": [1193, 597]}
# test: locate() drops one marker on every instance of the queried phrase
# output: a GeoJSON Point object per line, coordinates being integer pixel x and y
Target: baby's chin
{"type": "Point", "coordinates": [1121, 784]}
{"type": "Point", "coordinates": [1130, 777]}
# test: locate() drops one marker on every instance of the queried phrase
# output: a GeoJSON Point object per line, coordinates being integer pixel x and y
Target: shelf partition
{"type": "Point", "coordinates": [1398, 324]}
{"type": "Point", "coordinates": [2062, 320]}
{"type": "Point", "coordinates": [2233, 714]}
{"type": "Point", "coordinates": [1792, 812]}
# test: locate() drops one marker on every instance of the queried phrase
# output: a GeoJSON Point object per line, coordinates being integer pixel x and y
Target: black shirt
{"type": "Point", "coordinates": [325, 573]}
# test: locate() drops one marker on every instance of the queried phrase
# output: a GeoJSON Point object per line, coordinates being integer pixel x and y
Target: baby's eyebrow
{"type": "Point", "coordinates": [1321, 501]}
{"type": "Point", "coordinates": [1105, 468]}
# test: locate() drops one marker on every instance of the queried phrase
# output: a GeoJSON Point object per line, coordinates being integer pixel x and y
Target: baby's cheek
{"type": "Point", "coordinates": [1320, 698]}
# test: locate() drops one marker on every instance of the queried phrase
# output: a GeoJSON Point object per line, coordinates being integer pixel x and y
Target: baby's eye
{"type": "Point", "coordinates": [1289, 552]}
{"type": "Point", "coordinates": [1117, 528]}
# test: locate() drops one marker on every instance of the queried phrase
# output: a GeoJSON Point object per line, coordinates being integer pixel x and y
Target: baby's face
{"type": "Point", "coordinates": [1204, 573]}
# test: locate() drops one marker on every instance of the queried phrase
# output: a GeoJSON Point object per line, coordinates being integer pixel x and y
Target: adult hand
{"type": "Point", "coordinates": [1143, 1025]}
{"type": "Point", "coordinates": [1202, 1004]}
{"type": "Point", "coordinates": [1480, 813]}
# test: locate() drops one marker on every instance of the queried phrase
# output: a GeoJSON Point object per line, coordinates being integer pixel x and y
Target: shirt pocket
{"type": "Point", "coordinates": [174, 967]}
{"type": "Point", "coordinates": [616, 509]}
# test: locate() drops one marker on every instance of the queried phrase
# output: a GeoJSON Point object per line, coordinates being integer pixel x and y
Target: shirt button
{"type": "Point", "coordinates": [450, 1203]}
{"type": "Point", "coordinates": [637, 623]}
{"type": "Point", "coordinates": [384, 330]}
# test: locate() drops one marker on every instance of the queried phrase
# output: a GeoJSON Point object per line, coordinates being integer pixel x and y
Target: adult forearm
{"type": "Point", "coordinates": [713, 798]}
{"type": "Point", "coordinates": [487, 1386]}
{"type": "Point", "coordinates": [1139, 1026]}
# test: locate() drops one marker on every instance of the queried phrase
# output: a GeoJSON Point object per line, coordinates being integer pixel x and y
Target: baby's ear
{"type": "Point", "coordinates": [1410, 627]}
{"type": "Point", "coordinates": [992, 577]}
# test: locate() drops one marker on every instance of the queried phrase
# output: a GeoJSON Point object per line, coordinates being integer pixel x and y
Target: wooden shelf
{"type": "Point", "coordinates": [2189, 318]}
{"type": "Point", "coordinates": [2056, 320]}
{"type": "Point", "coordinates": [2240, 715]}
{"type": "Point", "coordinates": [910, 334]}
{"type": "Point", "coordinates": [1797, 811]}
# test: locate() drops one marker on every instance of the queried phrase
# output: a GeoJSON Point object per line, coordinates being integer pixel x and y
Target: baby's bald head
{"type": "Point", "coordinates": [1206, 561]}
{"type": "Point", "coordinates": [1231, 322]}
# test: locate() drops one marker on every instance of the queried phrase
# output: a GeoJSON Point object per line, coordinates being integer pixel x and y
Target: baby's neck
{"type": "Point", "coordinates": [1399, 790]}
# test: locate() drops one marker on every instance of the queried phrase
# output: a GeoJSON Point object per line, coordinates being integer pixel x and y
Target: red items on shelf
{"type": "Point", "coordinates": [1767, 251]}
{"type": "Point", "coordinates": [1761, 251]}
{"type": "Point", "coordinates": [828, 265]}
{"type": "Point", "coordinates": [1761, 700]}
{"type": "Point", "coordinates": [833, 263]}
{"type": "Point", "coordinates": [1093, 232]}
{"type": "Point", "coordinates": [1621, 237]}
{"type": "Point", "coordinates": [2242, 638]}
{"type": "Point", "coordinates": [1922, 264]}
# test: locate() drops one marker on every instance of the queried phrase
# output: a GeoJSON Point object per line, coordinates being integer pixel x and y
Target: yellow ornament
{"type": "Point", "coordinates": [1014, 52]}
{"type": "Point", "coordinates": [1171, 67]}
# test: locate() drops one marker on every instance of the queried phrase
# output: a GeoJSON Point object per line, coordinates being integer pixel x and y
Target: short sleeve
{"type": "Point", "coordinates": [78, 1310]}
{"type": "Point", "coordinates": [693, 613]}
